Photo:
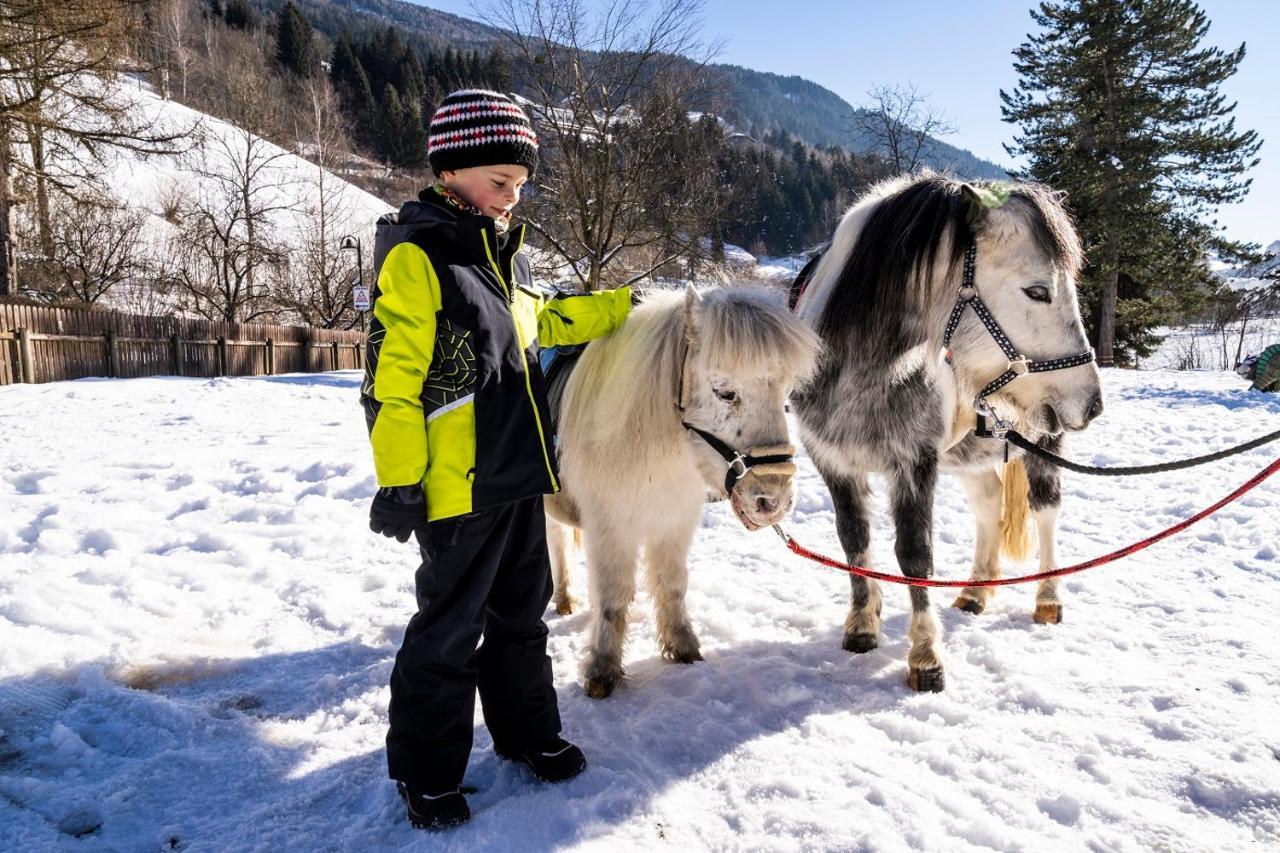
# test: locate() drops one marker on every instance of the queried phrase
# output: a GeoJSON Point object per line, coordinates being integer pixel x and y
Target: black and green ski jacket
{"type": "Point", "coordinates": [453, 393]}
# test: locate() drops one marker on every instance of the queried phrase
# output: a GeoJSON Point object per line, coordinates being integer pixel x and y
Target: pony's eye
{"type": "Point", "coordinates": [727, 394]}
{"type": "Point", "coordinates": [1038, 293]}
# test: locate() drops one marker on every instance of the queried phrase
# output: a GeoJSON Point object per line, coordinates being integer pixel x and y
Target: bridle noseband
{"type": "Point", "coordinates": [739, 463]}
{"type": "Point", "coordinates": [1018, 363]}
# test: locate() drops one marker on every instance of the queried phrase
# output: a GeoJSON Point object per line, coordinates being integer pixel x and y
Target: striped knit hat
{"type": "Point", "coordinates": [476, 127]}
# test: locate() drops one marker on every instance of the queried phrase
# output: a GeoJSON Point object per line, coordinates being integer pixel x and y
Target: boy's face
{"type": "Point", "coordinates": [494, 190]}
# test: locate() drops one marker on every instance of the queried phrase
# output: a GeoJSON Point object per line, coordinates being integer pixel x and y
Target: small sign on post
{"type": "Point", "coordinates": [360, 297]}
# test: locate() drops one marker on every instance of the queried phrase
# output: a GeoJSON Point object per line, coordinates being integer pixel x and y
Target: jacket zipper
{"type": "Point", "coordinates": [528, 385]}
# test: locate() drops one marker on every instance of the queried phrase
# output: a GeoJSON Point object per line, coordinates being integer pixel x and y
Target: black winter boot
{"type": "Point", "coordinates": [434, 811]}
{"type": "Point", "coordinates": [556, 760]}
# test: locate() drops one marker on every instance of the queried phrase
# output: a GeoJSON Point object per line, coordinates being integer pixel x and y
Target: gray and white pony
{"type": "Point", "coordinates": [885, 297]}
{"type": "Point", "coordinates": [686, 399]}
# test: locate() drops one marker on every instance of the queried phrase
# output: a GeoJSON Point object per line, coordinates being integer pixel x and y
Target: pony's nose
{"type": "Point", "coordinates": [766, 505]}
{"type": "Point", "coordinates": [1095, 408]}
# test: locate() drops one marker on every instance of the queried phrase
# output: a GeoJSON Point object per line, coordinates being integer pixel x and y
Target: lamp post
{"type": "Point", "coordinates": [353, 242]}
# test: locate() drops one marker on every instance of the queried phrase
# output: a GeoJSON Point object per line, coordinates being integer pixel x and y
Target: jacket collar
{"type": "Point", "coordinates": [474, 232]}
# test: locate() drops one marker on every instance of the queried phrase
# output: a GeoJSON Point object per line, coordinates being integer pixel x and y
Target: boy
{"type": "Point", "coordinates": [464, 451]}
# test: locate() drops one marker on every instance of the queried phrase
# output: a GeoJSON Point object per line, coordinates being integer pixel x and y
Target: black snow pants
{"type": "Point", "coordinates": [485, 574]}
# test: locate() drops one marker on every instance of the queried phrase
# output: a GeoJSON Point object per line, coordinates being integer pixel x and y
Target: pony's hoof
{"type": "Point", "coordinates": [860, 644]}
{"type": "Point", "coordinates": [685, 657]}
{"type": "Point", "coordinates": [601, 688]}
{"type": "Point", "coordinates": [968, 605]}
{"type": "Point", "coordinates": [1048, 614]}
{"type": "Point", "coordinates": [564, 608]}
{"type": "Point", "coordinates": [926, 680]}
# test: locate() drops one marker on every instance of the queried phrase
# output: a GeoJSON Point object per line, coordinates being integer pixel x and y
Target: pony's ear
{"type": "Point", "coordinates": [691, 300]}
{"type": "Point", "coordinates": [980, 201]}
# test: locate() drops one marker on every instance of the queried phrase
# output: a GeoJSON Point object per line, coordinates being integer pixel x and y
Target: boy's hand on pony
{"type": "Point", "coordinates": [399, 511]}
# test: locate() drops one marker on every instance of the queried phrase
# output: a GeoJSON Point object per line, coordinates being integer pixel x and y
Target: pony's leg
{"type": "Point", "coordinates": [560, 544]}
{"type": "Point", "coordinates": [912, 503]}
{"type": "Point", "coordinates": [666, 562]}
{"type": "Point", "coordinates": [611, 566]}
{"type": "Point", "coordinates": [983, 489]}
{"type": "Point", "coordinates": [1045, 496]}
{"type": "Point", "coordinates": [849, 498]}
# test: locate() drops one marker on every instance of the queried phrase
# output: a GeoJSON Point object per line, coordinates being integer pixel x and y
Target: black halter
{"type": "Point", "coordinates": [1018, 363]}
{"type": "Point", "coordinates": [739, 463]}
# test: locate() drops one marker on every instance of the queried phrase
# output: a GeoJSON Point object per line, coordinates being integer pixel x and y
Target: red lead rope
{"type": "Point", "coordinates": [1039, 576]}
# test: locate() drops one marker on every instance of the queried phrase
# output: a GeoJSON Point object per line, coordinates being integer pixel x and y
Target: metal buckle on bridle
{"type": "Point", "coordinates": [738, 465]}
{"type": "Point", "coordinates": [999, 428]}
{"type": "Point", "coordinates": [1019, 366]}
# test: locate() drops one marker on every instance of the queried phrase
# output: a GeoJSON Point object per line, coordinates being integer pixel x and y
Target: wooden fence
{"type": "Point", "coordinates": [40, 344]}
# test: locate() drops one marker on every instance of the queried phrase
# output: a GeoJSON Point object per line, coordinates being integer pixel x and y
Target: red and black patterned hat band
{"type": "Point", "coordinates": [476, 127]}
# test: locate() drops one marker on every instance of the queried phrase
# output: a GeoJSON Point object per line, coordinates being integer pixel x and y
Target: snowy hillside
{"type": "Point", "coordinates": [290, 186]}
{"type": "Point", "coordinates": [195, 640]}
{"type": "Point", "coordinates": [1256, 275]}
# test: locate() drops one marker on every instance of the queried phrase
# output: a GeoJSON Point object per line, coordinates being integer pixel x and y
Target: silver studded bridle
{"type": "Point", "coordinates": [1018, 364]}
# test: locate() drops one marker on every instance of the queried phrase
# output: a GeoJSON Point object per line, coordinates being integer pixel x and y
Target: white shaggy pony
{"type": "Point", "coordinates": [636, 473]}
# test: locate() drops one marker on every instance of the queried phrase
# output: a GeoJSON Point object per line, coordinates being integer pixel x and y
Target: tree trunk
{"type": "Point", "coordinates": [1111, 279]}
{"type": "Point", "coordinates": [44, 226]}
{"type": "Point", "coordinates": [1110, 284]}
{"type": "Point", "coordinates": [8, 237]}
{"type": "Point", "coordinates": [1244, 324]}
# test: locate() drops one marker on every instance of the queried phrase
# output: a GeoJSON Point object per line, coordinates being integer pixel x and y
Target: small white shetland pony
{"type": "Point", "coordinates": [686, 399]}
{"type": "Point", "coordinates": [986, 273]}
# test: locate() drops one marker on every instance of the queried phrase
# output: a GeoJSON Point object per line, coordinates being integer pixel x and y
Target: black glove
{"type": "Point", "coordinates": [398, 511]}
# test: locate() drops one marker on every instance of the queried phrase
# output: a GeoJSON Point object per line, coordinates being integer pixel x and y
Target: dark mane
{"type": "Point", "coordinates": [879, 304]}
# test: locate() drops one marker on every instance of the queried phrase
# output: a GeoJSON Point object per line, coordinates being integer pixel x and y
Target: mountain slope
{"type": "Point", "coordinates": [754, 101]}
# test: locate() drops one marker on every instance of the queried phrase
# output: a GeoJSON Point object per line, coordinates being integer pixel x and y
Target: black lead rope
{"type": "Point", "coordinates": [1018, 440]}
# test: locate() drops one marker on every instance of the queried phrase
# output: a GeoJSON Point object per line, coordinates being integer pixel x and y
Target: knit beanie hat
{"type": "Point", "coordinates": [476, 127]}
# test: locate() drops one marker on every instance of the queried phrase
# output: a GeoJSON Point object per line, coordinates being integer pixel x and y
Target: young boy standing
{"type": "Point", "coordinates": [464, 451]}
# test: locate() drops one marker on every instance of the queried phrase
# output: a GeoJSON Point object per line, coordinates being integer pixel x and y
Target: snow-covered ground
{"type": "Point", "coordinates": [1199, 347]}
{"type": "Point", "coordinates": [196, 629]}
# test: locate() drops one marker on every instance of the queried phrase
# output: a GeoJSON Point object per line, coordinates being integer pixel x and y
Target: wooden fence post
{"type": "Point", "coordinates": [26, 361]}
{"type": "Point", "coordinates": [359, 356]}
{"type": "Point", "coordinates": [113, 355]}
{"type": "Point", "coordinates": [223, 365]}
{"type": "Point", "coordinates": [335, 355]}
{"type": "Point", "coordinates": [177, 354]}
{"type": "Point", "coordinates": [271, 356]}
{"type": "Point", "coordinates": [306, 355]}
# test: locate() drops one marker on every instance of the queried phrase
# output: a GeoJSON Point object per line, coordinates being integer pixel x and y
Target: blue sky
{"type": "Point", "coordinates": [960, 53]}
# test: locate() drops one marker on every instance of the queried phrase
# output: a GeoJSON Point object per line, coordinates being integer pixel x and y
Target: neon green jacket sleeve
{"type": "Point", "coordinates": [409, 297]}
{"type": "Point", "coordinates": [583, 317]}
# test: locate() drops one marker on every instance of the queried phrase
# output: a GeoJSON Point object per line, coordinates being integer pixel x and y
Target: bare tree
{"type": "Point", "coordinates": [612, 90]}
{"type": "Point", "coordinates": [902, 125]}
{"type": "Point", "coordinates": [316, 281]}
{"type": "Point", "coordinates": [229, 221]}
{"type": "Point", "coordinates": [241, 188]}
{"type": "Point", "coordinates": [172, 31]}
{"type": "Point", "coordinates": [61, 110]}
{"type": "Point", "coordinates": [95, 247]}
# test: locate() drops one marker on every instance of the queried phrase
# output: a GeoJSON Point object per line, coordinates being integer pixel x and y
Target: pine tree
{"type": "Point", "coordinates": [1119, 104]}
{"type": "Point", "coordinates": [239, 14]}
{"type": "Point", "coordinates": [295, 41]}
{"type": "Point", "coordinates": [352, 84]}
{"type": "Point", "coordinates": [402, 135]}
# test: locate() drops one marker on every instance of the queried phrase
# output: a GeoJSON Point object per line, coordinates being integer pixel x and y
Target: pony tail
{"type": "Point", "coordinates": [1015, 512]}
